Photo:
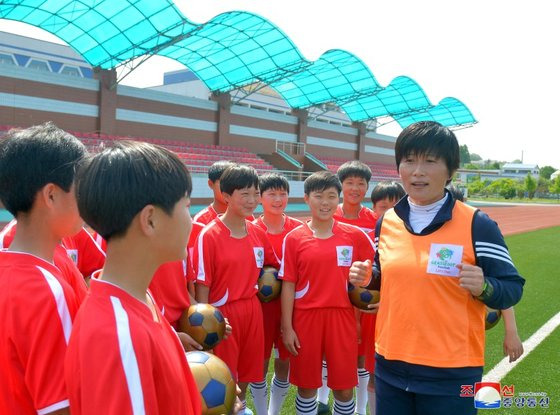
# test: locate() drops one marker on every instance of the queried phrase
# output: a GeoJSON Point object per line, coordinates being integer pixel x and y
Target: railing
{"type": "Point", "coordinates": [290, 148]}
{"type": "Point", "coordinates": [289, 174]}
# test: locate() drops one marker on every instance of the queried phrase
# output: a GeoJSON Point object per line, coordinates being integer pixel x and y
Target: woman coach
{"type": "Point", "coordinates": [440, 262]}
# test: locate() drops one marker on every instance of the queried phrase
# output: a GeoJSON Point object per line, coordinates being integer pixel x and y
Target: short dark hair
{"type": "Point", "coordinates": [273, 181]}
{"type": "Point", "coordinates": [387, 190]}
{"type": "Point", "coordinates": [120, 181]}
{"type": "Point", "coordinates": [354, 168]}
{"type": "Point", "coordinates": [33, 157]}
{"type": "Point", "coordinates": [320, 181]}
{"type": "Point", "coordinates": [428, 138]}
{"type": "Point", "coordinates": [456, 192]}
{"type": "Point", "coordinates": [238, 176]}
{"type": "Point", "coordinates": [218, 168]}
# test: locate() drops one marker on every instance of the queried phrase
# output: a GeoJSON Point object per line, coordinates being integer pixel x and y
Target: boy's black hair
{"type": "Point", "coordinates": [34, 157]}
{"type": "Point", "coordinates": [456, 192]}
{"type": "Point", "coordinates": [238, 176]}
{"type": "Point", "coordinates": [119, 182]}
{"type": "Point", "coordinates": [428, 138]}
{"type": "Point", "coordinates": [354, 168]}
{"type": "Point", "coordinates": [320, 181]}
{"type": "Point", "coordinates": [387, 190]}
{"type": "Point", "coordinates": [273, 181]}
{"type": "Point", "coordinates": [218, 168]}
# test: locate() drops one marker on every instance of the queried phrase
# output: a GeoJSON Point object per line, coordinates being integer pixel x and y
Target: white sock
{"type": "Point", "coordinates": [243, 407]}
{"type": "Point", "coordinates": [361, 392]}
{"type": "Point", "coordinates": [306, 406]}
{"type": "Point", "coordinates": [278, 391]}
{"type": "Point", "coordinates": [371, 401]}
{"type": "Point", "coordinates": [343, 408]}
{"type": "Point", "coordinates": [258, 390]}
{"type": "Point", "coordinates": [324, 390]}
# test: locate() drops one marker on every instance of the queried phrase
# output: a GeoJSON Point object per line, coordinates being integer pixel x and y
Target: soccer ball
{"type": "Point", "coordinates": [214, 382]}
{"type": "Point", "coordinates": [205, 324]}
{"type": "Point", "coordinates": [492, 317]}
{"type": "Point", "coordinates": [269, 286]}
{"type": "Point", "coordinates": [362, 297]}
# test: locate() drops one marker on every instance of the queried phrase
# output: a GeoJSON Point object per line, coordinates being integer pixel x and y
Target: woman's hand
{"type": "Point", "coordinates": [471, 278]}
{"type": "Point", "coordinates": [360, 273]}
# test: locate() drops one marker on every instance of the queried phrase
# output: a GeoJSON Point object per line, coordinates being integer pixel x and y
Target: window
{"type": "Point", "coordinates": [71, 71]}
{"type": "Point", "coordinates": [39, 65]}
{"type": "Point", "coordinates": [6, 59]}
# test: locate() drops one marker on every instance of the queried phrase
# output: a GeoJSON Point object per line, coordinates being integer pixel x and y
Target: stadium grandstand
{"type": "Point", "coordinates": [247, 93]}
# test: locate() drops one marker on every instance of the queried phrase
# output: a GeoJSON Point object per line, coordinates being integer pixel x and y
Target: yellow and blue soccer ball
{"type": "Point", "coordinates": [361, 297]}
{"type": "Point", "coordinates": [269, 286]}
{"type": "Point", "coordinates": [492, 317]}
{"type": "Point", "coordinates": [214, 382]}
{"type": "Point", "coordinates": [205, 324]}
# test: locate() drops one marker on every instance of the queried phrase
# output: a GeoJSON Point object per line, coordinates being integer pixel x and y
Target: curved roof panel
{"type": "Point", "coordinates": [105, 32]}
{"type": "Point", "coordinates": [336, 76]}
{"type": "Point", "coordinates": [230, 51]}
{"type": "Point", "coordinates": [449, 112]}
{"type": "Point", "coordinates": [235, 49]}
{"type": "Point", "coordinates": [402, 95]}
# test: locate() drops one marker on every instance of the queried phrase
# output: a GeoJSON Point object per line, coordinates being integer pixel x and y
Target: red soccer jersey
{"type": "Point", "coordinates": [319, 267]}
{"type": "Point", "coordinates": [7, 234]}
{"type": "Point", "coordinates": [60, 258]}
{"type": "Point", "coordinates": [169, 289]}
{"type": "Point", "coordinates": [231, 266]}
{"type": "Point", "coordinates": [86, 253]}
{"type": "Point", "coordinates": [276, 239]}
{"type": "Point", "coordinates": [37, 308]}
{"type": "Point", "coordinates": [208, 214]}
{"type": "Point", "coordinates": [81, 248]}
{"type": "Point", "coordinates": [195, 231]}
{"type": "Point", "coordinates": [365, 221]}
{"type": "Point", "coordinates": [122, 359]}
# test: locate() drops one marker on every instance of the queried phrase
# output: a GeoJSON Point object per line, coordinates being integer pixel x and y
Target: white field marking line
{"type": "Point", "coordinates": [499, 371]}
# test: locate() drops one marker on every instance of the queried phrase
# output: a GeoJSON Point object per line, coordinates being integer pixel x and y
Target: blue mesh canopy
{"type": "Point", "coordinates": [449, 112]}
{"type": "Point", "coordinates": [336, 76]}
{"type": "Point", "coordinates": [402, 95]}
{"type": "Point", "coordinates": [230, 51]}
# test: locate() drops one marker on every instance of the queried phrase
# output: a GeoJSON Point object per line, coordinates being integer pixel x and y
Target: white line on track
{"type": "Point", "coordinates": [499, 371]}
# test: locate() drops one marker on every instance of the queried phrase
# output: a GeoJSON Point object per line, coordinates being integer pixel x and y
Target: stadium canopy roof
{"type": "Point", "coordinates": [231, 51]}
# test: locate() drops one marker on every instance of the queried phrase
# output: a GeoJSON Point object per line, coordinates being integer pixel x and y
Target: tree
{"type": "Point", "coordinates": [555, 187]}
{"type": "Point", "coordinates": [506, 188]}
{"type": "Point", "coordinates": [464, 154]}
{"type": "Point", "coordinates": [546, 171]}
{"type": "Point", "coordinates": [475, 186]}
{"type": "Point", "coordinates": [530, 185]}
{"type": "Point", "coordinates": [475, 157]}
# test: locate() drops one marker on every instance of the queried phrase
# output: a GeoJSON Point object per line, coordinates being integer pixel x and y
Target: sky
{"type": "Point", "coordinates": [498, 57]}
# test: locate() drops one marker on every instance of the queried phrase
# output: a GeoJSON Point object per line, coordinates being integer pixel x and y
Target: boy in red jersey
{"type": "Point", "coordinates": [172, 286]}
{"type": "Point", "coordinates": [230, 254]}
{"type": "Point", "coordinates": [218, 205]}
{"type": "Point", "coordinates": [81, 249]}
{"type": "Point", "coordinates": [317, 316]}
{"type": "Point", "coordinates": [274, 190]}
{"type": "Point", "coordinates": [354, 177]}
{"type": "Point", "coordinates": [123, 356]}
{"type": "Point", "coordinates": [37, 304]}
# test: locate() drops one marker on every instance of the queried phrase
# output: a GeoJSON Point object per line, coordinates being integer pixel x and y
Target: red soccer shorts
{"type": "Point", "coordinates": [328, 332]}
{"type": "Point", "coordinates": [272, 316]}
{"type": "Point", "coordinates": [367, 346]}
{"type": "Point", "coordinates": [243, 351]}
